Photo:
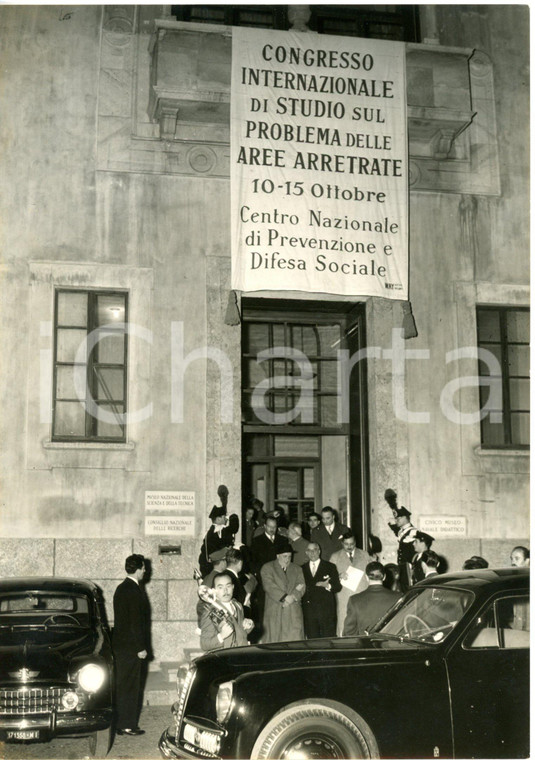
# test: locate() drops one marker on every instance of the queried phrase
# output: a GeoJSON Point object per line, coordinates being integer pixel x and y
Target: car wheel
{"type": "Point", "coordinates": [100, 743]}
{"type": "Point", "coordinates": [314, 731]}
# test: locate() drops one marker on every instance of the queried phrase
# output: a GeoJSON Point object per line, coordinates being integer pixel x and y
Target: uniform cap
{"type": "Point", "coordinates": [218, 555]}
{"type": "Point", "coordinates": [425, 537]}
{"type": "Point", "coordinates": [217, 512]}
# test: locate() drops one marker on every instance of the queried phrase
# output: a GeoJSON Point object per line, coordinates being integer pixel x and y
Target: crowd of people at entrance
{"type": "Point", "coordinates": [295, 580]}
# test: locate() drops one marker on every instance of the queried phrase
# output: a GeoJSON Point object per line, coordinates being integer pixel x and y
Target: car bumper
{"type": "Point", "coordinates": [168, 746]}
{"type": "Point", "coordinates": [44, 726]}
{"type": "Point", "coordinates": [170, 749]}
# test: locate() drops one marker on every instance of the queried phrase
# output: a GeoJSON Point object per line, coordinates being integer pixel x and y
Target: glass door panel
{"type": "Point", "coordinates": [259, 482]}
{"type": "Point", "coordinates": [295, 490]}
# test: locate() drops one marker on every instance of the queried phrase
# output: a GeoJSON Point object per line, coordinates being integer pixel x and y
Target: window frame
{"type": "Point", "coordinates": [289, 321]}
{"type": "Point", "coordinates": [90, 427]}
{"type": "Point", "coordinates": [504, 345]}
{"type": "Point", "coordinates": [358, 20]}
{"type": "Point", "coordinates": [492, 607]}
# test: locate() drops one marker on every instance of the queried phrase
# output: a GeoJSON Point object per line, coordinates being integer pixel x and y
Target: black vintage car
{"type": "Point", "coordinates": [55, 661]}
{"type": "Point", "coordinates": [444, 674]}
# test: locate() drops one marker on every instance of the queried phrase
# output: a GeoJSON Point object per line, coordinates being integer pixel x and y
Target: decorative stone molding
{"type": "Point", "coordinates": [438, 100]}
{"type": "Point", "coordinates": [451, 120]}
{"type": "Point", "coordinates": [159, 102]}
{"type": "Point", "coordinates": [118, 18]}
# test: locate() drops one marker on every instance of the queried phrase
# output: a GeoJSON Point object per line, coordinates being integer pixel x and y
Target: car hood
{"type": "Point", "coordinates": [332, 652]}
{"type": "Point", "coordinates": [45, 654]}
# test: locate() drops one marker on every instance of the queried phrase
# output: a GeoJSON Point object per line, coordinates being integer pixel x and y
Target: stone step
{"type": "Point", "coordinates": [159, 690]}
{"type": "Point", "coordinates": [169, 670]}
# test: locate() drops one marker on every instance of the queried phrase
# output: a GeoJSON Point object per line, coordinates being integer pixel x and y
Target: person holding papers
{"type": "Point", "coordinates": [351, 565]}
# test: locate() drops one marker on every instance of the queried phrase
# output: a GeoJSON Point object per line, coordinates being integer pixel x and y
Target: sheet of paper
{"type": "Point", "coordinates": [354, 577]}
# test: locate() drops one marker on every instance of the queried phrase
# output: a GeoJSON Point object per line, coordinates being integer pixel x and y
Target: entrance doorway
{"type": "Point", "coordinates": [304, 446]}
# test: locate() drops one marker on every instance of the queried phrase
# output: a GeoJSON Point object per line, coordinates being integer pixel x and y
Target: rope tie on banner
{"type": "Point", "coordinates": [232, 314]}
{"type": "Point", "coordinates": [409, 325]}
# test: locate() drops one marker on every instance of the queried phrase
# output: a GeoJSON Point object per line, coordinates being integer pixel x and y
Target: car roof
{"type": "Point", "coordinates": [48, 583]}
{"type": "Point", "coordinates": [488, 579]}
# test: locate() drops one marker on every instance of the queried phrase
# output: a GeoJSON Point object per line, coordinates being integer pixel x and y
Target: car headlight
{"type": "Point", "coordinates": [223, 701]}
{"type": "Point", "coordinates": [91, 677]}
{"type": "Point", "coordinates": [69, 700]}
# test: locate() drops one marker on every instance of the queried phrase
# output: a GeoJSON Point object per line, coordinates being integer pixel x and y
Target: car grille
{"type": "Point", "coordinates": [183, 696]}
{"type": "Point", "coordinates": [30, 700]}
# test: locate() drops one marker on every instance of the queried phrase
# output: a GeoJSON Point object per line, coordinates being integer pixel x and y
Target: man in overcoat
{"type": "Point", "coordinates": [367, 608]}
{"type": "Point", "coordinates": [130, 641]}
{"type": "Point", "coordinates": [284, 585]}
{"type": "Point", "coordinates": [319, 601]}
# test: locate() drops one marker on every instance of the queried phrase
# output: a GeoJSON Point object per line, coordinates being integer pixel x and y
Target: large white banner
{"type": "Point", "coordinates": [318, 164]}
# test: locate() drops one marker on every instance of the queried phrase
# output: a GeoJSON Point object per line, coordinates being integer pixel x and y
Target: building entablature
{"type": "Point", "coordinates": [450, 107]}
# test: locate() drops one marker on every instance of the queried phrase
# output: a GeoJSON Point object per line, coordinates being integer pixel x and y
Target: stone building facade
{"type": "Point", "coordinates": [115, 179]}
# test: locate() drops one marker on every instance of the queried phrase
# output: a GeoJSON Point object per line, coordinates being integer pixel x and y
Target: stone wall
{"type": "Point", "coordinates": [171, 590]}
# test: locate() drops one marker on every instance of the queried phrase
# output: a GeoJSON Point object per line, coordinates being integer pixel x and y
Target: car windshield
{"type": "Point", "coordinates": [427, 615]}
{"type": "Point", "coordinates": [40, 608]}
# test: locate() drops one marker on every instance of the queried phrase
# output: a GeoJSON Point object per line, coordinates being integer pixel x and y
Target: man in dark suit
{"type": "Point", "coordinates": [319, 600]}
{"type": "Point", "coordinates": [329, 534]}
{"type": "Point", "coordinates": [244, 583]}
{"type": "Point", "coordinates": [298, 543]}
{"type": "Point", "coordinates": [366, 608]}
{"type": "Point", "coordinates": [131, 637]}
{"type": "Point", "coordinates": [264, 547]}
{"type": "Point", "coordinates": [422, 542]}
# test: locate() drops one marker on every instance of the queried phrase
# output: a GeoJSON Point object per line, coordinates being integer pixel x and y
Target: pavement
{"type": "Point", "coordinates": [154, 719]}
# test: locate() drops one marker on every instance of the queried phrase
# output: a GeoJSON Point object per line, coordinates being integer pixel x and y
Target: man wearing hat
{"type": "Point", "coordinates": [405, 531]}
{"type": "Point", "coordinates": [219, 536]}
{"type": "Point", "coordinates": [422, 542]}
{"type": "Point", "coordinates": [284, 585]}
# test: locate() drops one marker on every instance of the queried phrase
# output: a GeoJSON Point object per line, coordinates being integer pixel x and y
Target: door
{"type": "Point", "coordinates": [292, 486]}
{"type": "Point", "coordinates": [303, 409]}
{"type": "Point", "coordinates": [489, 679]}
{"type": "Point", "coordinates": [295, 490]}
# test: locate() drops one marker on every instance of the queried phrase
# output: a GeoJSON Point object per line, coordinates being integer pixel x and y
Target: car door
{"type": "Point", "coordinates": [489, 681]}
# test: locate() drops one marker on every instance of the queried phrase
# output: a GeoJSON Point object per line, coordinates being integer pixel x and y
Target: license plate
{"type": "Point", "coordinates": [25, 735]}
